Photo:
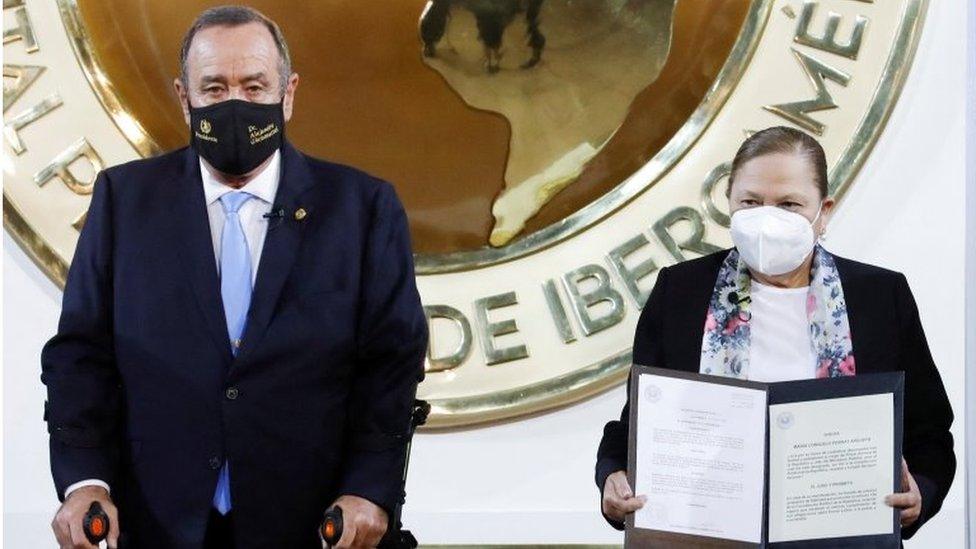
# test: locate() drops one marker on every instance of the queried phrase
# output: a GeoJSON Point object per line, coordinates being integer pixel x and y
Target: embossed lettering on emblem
{"type": "Point", "coordinates": [828, 41]}
{"type": "Point", "coordinates": [718, 173]}
{"type": "Point", "coordinates": [16, 80]}
{"type": "Point", "coordinates": [585, 300]}
{"type": "Point", "coordinates": [24, 29]}
{"type": "Point", "coordinates": [797, 112]}
{"type": "Point", "coordinates": [460, 351]}
{"type": "Point", "coordinates": [488, 330]}
{"type": "Point", "coordinates": [694, 243]}
{"type": "Point", "coordinates": [558, 312]}
{"type": "Point", "coordinates": [60, 167]}
{"type": "Point", "coordinates": [17, 123]}
{"type": "Point", "coordinates": [632, 275]}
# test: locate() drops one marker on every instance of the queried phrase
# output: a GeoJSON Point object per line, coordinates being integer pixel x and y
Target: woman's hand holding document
{"type": "Point", "coordinates": [758, 464]}
{"type": "Point", "coordinates": [700, 459]}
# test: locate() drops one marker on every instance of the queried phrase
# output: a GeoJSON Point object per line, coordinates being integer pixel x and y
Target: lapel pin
{"type": "Point", "coordinates": [300, 214]}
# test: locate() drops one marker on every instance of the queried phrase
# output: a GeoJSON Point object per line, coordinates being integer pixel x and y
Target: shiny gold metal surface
{"type": "Point", "coordinates": [568, 76]}
{"type": "Point", "coordinates": [547, 318]}
{"type": "Point", "coordinates": [381, 104]}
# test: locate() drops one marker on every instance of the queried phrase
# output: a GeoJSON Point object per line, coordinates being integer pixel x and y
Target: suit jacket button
{"type": "Point", "coordinates": [215, 463]}
{"type": "Point", "coordinates": [232, 393]}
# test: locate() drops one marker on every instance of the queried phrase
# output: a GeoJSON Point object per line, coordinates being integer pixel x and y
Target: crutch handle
{"type": "Point", "coordinates": [95, 523]}
{"type": "Point", "coordinates": [331, 529]}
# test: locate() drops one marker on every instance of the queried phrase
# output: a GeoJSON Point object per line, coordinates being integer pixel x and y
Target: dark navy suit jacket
{"type": "Point", "coordinates": [144, 392]}
{"type": "Point", "coordinates": [887, 336]}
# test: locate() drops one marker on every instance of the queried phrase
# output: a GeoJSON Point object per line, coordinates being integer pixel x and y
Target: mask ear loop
{"type": "Point", "coordinates": [823, 232]}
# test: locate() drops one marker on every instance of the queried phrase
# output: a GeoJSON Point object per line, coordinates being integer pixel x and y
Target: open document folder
{"type": "Point", "coordinates": [731, 463]}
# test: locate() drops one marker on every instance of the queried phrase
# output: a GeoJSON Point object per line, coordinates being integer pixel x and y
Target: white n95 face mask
{"type": "Point", "coordinates": [771, 240]}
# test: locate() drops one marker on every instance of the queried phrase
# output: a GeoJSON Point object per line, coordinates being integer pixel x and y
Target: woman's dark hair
{"type": "Point", "coordinates": [780, 139]}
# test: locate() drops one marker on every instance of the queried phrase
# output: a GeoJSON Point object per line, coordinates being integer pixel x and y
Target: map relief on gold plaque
{"type": "Point", "coordinates": [563, 73]}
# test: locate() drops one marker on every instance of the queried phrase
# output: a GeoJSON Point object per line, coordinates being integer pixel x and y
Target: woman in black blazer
{"type": "Point", "coordinates": [753, 311]}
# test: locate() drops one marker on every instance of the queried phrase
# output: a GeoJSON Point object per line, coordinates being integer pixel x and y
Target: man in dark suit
{"type": "Point", "coordinates": [241, 336]}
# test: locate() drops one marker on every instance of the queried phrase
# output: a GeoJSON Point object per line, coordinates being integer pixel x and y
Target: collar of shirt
{"type": "Point", "coordinates": [263, 186]}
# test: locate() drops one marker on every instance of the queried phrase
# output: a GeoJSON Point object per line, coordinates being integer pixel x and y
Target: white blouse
{"type": "Point", "coordinates": [780, 347]}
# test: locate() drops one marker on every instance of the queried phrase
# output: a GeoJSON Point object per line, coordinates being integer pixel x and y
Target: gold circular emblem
{"type": "Point", "coordinates": [552, 155]}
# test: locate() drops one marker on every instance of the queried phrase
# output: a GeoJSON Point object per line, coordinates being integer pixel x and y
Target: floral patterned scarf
{"type": "Point", "coordinates": [725, 345]}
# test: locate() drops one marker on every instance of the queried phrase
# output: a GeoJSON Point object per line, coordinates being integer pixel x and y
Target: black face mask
{"type": "Point", "coordinates": [236, 136]}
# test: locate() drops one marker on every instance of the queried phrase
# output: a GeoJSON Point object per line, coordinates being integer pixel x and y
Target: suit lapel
{"type": "Point", "coordinates": [281, 246]}
{"type": "Point", "coordinates": [195, 248]}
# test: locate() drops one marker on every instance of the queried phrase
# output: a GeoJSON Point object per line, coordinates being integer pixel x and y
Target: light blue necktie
{"type": "Point", "coordinates": [235, 290]}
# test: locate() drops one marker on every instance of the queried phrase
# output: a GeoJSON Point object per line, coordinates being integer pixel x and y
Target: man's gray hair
{"type": "Point", "coordinates": [235, 16]}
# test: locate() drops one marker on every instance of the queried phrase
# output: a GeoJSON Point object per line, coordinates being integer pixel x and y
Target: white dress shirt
{"type": "Point", "coordinates": [780, 347]}
{"type": "Point", "coordinates": [264, 186]}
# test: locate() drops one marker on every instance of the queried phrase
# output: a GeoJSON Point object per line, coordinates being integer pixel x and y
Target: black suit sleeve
{"type": "Point", "coordinates": [647, 351]}
{"type": "Point", "coordinates": [84, 396]}
{"type": "Point", "coordinates": [391, 343]}
{"type": "Point", "coordinates": [928, 415]}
